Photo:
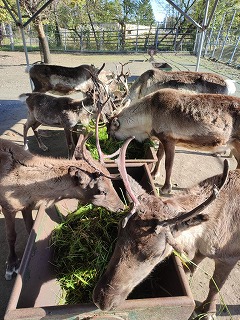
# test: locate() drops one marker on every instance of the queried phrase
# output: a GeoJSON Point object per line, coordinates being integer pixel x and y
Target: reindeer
{"type": "Point", "coordinates": [60, 111]}
{"type": "Point", "coordinates": [65, 80]}
{"type": "Point", "coordinates": [27, 181]}
{"type": "Point", "coordinates": [200, 82]}
{"type": "Point", "coordinates": [200, 121]}
{"type": "Point", "coordinates": [200, 222]}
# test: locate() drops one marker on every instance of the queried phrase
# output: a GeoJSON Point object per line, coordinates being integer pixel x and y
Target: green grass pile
{"type": "Point", "coordinates": [83, 245]}
{"type": "Point", "coordinates": [135, 150]}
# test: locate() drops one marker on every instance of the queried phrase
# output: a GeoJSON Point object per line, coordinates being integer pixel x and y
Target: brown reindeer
{"type": "Point", "coordinates": [62, 112]}
{"type": "Point", "coordinates": [200, 121]}
{"type": "Point", "coordinates": [200, 222]}
{"type": "Point", "coordinates": [27, 181]}
{"type": "Point", "coordinates": [64, 80]}
{"type": "Point", "coordinates": [200, 82]}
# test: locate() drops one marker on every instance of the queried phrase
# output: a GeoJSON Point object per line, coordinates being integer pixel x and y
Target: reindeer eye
{"type": "Point", "coordinates": [102, 192]}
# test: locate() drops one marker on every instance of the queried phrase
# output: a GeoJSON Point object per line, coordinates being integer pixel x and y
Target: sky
{"type": "Point", "coordinates": [158, 10]}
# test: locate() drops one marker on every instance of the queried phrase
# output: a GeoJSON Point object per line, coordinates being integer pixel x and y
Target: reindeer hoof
{"type": "Point", "coordinates": [11, 270]}
{"type": "Point", "coordinates": [166, 189]}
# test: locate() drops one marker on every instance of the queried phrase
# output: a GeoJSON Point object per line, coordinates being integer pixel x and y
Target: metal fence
{"type": "Point", "coordinates": [222, 41]}
{"type": "Point", "coordinates": [134, 39]}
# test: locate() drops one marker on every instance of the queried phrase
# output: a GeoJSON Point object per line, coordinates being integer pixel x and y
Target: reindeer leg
{"type": "Point", "coordinates": [160, 153]}
{"type": "Point", "coordinates": [169, 148]}
{"type": "Point", "coordinates": [236, 151]}
{"type": "Point", "coordinates": [70, 143]}
{"type": "Point", "coordinates": [37, 136]}
{"type": "Point", "coordinates": [32, 123]}
{"type": "Point", "coordinates": [25, 131]}
{"type": "Point", "coordinates": [195, 261]}
{"type": "Point", "coordinates": [221, 272]}
{"type": "Point", "coordinates": [75, 135]}
{"type": "Point", "coordinates": [28, 219]}
{"type": "Point", "coordinates": [12, 263]}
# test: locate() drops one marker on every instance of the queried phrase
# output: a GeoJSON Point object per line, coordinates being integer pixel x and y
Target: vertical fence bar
{"type": "Point", "coordinates": [23, 38]}
{"type": "Point", "coordinates": [202, 35]}
{"type": "Point", "coordinates": [226, 37]}
{"type": "Point", "coordinates": [156, 36]}
{"type": "Point", "coordinates": [65, 39]}
{"type": "Point", "coordinates": [234, 51]}
{"type": "Point", "coordinates": [11, 36]}
{"type": "Point", "coordinates": [136, 45]}
{"type": "Point", "coordinates": [208, 41]}
{"type": "Point", "coordinates": [218, 35]}
{"type": "Point", "coordinates": [175, 39]}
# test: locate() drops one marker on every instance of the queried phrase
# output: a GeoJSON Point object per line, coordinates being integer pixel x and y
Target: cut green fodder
{"type": "Point", "coordinates": [83, 245]}
{"type": "Point", "coordinates": [135, 150]}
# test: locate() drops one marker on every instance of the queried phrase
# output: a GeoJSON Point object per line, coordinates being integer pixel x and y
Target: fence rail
{"type": "Point", "coordinates": [134, 39]}
{"type": "Point", "coordinates": [221, 43]}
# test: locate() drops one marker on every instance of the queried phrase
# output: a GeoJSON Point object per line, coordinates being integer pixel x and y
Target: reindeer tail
{"type": "Point", "coordinates": [27, 70]}
{"type": "Point", "coordinates": [231, 87]}
{"type": "Point", "coordinates": [23, 97]}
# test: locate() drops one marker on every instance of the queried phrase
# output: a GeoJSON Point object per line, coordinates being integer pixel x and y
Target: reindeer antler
{"type": "Point", "coordinates": [101, 155]}
{"type": "Point", "coordinates": [124, 75]}
{"type": "Point", "coordinates": [123, 172]}
{"type": "Point", "coordinates": [121, 163]}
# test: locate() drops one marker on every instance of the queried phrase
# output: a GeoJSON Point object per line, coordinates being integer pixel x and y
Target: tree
{"type": "Point", "coordinates": [145, 15]}
{"type": "Point", "coordinates": [30, 7]}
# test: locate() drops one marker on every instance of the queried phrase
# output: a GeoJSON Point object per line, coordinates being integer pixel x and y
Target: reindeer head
{"type": "Point", "coordinates": [96, 188]}
{"type": "Point", "coordinates": [146, 238]}
{"type": "Point", "coordinates": [93, 180]}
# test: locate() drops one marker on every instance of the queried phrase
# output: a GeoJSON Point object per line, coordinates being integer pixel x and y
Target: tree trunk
{"type": "Point", "coordinates": [43, 42]}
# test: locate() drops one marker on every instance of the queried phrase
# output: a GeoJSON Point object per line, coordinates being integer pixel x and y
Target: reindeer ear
{"type": "Point", "coordinates": [79, 177]}
{"type": "Point", "coordinates": [73, 172]}
{"type": "Point", "coordinates": [181, 226]}
{"type": "Point", "coordinates": [115, 123]}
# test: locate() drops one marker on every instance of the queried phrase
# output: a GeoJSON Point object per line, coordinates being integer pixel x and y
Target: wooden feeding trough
{"type": "Point", "coordinates": [164, 295]}
{"type": "Point", "coordinates": [149, 156]}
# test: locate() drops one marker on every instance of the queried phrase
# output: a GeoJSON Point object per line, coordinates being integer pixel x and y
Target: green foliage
{"type": "Point", "coordinates": [4, 14]}
{"type": "Point", "coordinates": [83, 245]}
{"type": "Point", "coordinates": [145, 15]}
{"type": "Point", "coordinates": [135, 150]}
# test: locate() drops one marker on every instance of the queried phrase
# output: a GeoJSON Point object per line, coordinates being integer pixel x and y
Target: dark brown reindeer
{"type": "Point", "coordinates": [200, 82]}
{"type": "Point", "coordinates": [200, 222]}
{"type": "Point", "coordinates": [62, 112]}
{"type": "Point", "coordinates": [200, 121]}
{"type": "Point", "coordinates": [27, 181]}
{"type": "Point", "coordinates": [64, 80]}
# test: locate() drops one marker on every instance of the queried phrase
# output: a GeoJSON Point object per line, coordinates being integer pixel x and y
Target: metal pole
{"type": "Point", "coordinates": [208, 42]}
{"type": "Point", "coordinates": [37, 13]}
{"type": "Point", "coordinates": [218, 35]}
{"type": "Point", "coordinates": [185, 14]}
{"type": "Point", "coordinates": [202, 35]}
{"type": "Point", "coordinates": [23, 37]}
{"type": "Point", "coordinates": [212, 13]}
{"type": "Point", "coordinates": [10, 11]}
{"type": "Point", "coordinates": [225, 40]}
{"type": "Point", "coordinates": [22, 32]}
{"type": "Point", "coordinates": [234, 50]}
{"type": "Point", "coordinates": [136, 45]}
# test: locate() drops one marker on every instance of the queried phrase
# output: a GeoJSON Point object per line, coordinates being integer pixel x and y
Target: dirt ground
{"type": "Point", "coordinates": [189, 167]}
